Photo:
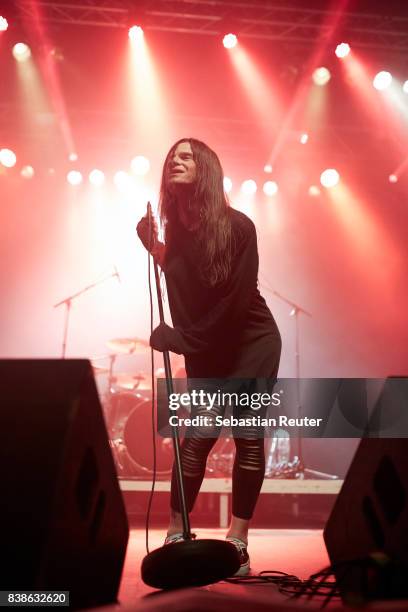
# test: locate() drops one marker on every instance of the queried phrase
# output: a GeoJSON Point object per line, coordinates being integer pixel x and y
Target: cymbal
{"type": "Point", "coordinates": [128, 345]}
{"type": "Point", "coordinates": [131, 382]}
{"type": "Point", "coordinates": [99, 369]}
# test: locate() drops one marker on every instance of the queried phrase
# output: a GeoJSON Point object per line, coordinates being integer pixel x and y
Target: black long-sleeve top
{"type": "Point", "coordinates": [226, 330]}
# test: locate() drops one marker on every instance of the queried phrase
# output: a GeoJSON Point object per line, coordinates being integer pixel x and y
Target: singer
{"type": "Point", "coordinates": [222, 324]}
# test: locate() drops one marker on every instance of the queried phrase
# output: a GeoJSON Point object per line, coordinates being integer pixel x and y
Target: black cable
{"type": "Point", "coordinates": [266, 576]}
{"type": "Point", "coordinates": [149, 504]}
{"type": "Point", "coordinates": [316, 585]}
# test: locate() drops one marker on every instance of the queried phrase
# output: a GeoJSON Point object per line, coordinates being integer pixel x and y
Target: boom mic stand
{"type": "Point", "coordinates": [68, 303]}
{"type": "Point", "coordinates": [296, 468]}
{"type": "Point", "coordinates": [189, 562]}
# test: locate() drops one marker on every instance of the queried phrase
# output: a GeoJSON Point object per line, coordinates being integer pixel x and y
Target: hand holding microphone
{"type": "Point", "coordinates": [147, 231]}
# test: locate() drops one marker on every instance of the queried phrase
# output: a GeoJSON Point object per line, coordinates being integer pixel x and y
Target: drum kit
{"type": "Point", "coordinates": [127, 408]}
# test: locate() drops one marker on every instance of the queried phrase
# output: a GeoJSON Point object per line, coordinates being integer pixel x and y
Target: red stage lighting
{"type": "Point", "coordinates": [342, 50]}
{"type": "Point", "coordinates": [74, 177]}
{"type": "Point", "coordinates": [27, 172]}
{"type": "Point", "coordinates": [382, 80]}
{"type": "Point", "coordinates": [321, 76]}
{"type": "Point", "coordinates": [270, 188]}
{"type": "Point", "coordinates": [329, 178]}
{"type": "Point", "coordinates": [140, 165]}
{"type": "Point", "coordinates": [8, 158]}
{"type": "Point", "coordinates": [393, 178]}
{"type": "Point", "coordinates": [136, 33]}
{"type": "Point", "coordinates": [3, 24]}
{"type": "Point", "coordinates": [122, 180]}
{"type": "Point", "coordinates": [96, 177]}
{"type": "Point", "coordinates": [230, 41]}
{"type": "Point", "coordinates": [21, 52]}
{"type": "Point", "coordinates": [227, 184]}
{"type": "Point", "coordinates": [249, 187]}
{"type": "Point", "coordinates": [314, 191]}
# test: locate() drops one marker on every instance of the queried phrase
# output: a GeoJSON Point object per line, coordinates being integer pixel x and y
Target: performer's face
{"type": "Point", "coordinates": [181, 167]}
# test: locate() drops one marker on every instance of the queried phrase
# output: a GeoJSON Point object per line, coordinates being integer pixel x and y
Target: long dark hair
{"type": "Point", "coordinates": [214, 231]}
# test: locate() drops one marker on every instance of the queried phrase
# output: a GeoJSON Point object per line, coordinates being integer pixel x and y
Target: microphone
{"type": "Point", "coordinates": [116, 273]}
{"type": "Point", "coordinates": [151, 226]}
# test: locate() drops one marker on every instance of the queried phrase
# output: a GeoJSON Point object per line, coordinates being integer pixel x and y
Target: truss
{"type": "Point", "coordinates": [283, 21]}
{"type": "Point", "coordinates": [86, 12]}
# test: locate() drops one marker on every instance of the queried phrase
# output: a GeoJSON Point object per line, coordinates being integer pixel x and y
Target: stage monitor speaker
{"type": "Point", "coordinates": [366, 535]}
{"type": "Point", "coordinates": [63, 524]}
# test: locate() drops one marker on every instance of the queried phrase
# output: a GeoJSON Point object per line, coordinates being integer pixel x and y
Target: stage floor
{"type": "Point", "coordinates": [295, 551]}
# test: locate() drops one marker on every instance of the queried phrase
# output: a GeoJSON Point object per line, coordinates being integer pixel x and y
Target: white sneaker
{"type": "Point", "coordinates": [241, 547]}
{"type": "Point", "coordinates": [174, 538]}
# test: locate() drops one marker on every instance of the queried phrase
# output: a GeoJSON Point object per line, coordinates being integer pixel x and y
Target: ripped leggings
{"type": "Point", "coordinates": [249, 464]}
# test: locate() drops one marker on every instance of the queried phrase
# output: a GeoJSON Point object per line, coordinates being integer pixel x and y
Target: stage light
{"type": "Point", "coordinates": [268, 168]}
{"type": "Point", "coordinates": [382, 80]}
{"type": "Point", "coordinates": [321, 76]}
{"type": "Point", "coordinates": [230, 41]}
{"type": "Point", "coordinates": [96, 177]}
{"type": "Point", "coordinates": [304, 138]}
{"type": "Point", "coordinates": [405, 87]}
{"type": "Point", "coordinates": [57, 54]}
{"type": "Point", "coordinates": [227, 184]}
{"type": "Point", "coordinates": [74, 177]}
{"type": "Point", "coordinates": [7, 158]}
{"type": "Point", "coordinates": [73, 157]}
{"type": "Point", "coordinates": [122, 180]}
{"type": "Point", "coordinates": [314, 191]}
{"type": "Point", "coordinates": [21, 52]}
{"type": "Point", "coordinates": [249, 187]}
{"type": "Point", "coordinates": [329, 178]}
{"type": "Point", "coordinates": [3, 24]}
{"type": "Point", "coordinates": [140, 165]}
{"type": "Point", "coordinates": [393, 178]}
{"type": "Point", "coordinates": [270, 188]}
{"type": "Point", "coordinates": [342, 50]}
{"type": "Point", "coordinates": [27, 172]}
{"type": "Point", "coordinates": [136, 33]}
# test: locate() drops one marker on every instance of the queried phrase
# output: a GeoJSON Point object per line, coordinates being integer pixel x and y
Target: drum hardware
{"type": "Point", "coordinates": [285, 469]}
{"type": "Point", "coordinates": [131, 382]}
{"type": "Point", "coordinates": [128, 414]}
{"type": "Point", "coordinates": [128, 346]}
{"type": "Point", "coordinates": [277, 454]}
{"type": "Point", "coordinates": [128, 418]}
{"type": "Point", "coordinates": [128, 421]}
{"type": "Point", "coordinates": [221, 459]}
{"type": "Point", "coordinates": [130, 437]}
{"type": "Point", "coordinates": [99, 369]}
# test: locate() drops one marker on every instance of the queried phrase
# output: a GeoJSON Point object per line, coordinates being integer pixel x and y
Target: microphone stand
{"type": "Point", "coordinates": [188, 562]}
{"type": "Point", "coordinates": [68, 303]}
{"type": "Point", "coordinates": [296, 468]}
{"type": "Point", "coordinates": [187, 535]}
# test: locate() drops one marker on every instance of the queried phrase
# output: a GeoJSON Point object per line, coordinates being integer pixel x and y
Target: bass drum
{"type": "Point", "coordinates": [133, 443]}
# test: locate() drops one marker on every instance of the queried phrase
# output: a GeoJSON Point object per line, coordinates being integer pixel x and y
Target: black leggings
{"type": "Point", "coordinates": [249, 464]}
{"type": "Point", "coordinates": [247, 475]}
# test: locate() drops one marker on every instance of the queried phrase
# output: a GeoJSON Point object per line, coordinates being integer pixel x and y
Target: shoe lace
{"type": "Point", "coordinates": [238, 544]}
